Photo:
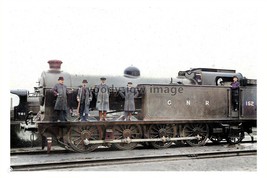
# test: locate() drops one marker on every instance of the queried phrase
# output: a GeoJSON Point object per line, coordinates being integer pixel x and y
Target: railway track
{"type": "Point", "coordinates": [129, 158]}
{"type": "Point", "coordinates": [57, 149]}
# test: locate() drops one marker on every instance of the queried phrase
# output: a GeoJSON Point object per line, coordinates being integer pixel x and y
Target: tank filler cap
{"type": "Point", "coordinates": [54, 64]}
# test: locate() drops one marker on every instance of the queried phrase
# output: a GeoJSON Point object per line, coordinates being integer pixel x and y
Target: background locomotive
{"type": "Point", "coordinates": [22, 102]}
{"type": "Point", "coordinates": [193, 107]}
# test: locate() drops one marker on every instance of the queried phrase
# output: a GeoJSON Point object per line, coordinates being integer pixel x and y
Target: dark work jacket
{"type": "Point", "coordinates": [86, 99]}
{"type": "Point", "coordinates": [235, 88]}
{"type": "Point", "coordinates": [60, 90]}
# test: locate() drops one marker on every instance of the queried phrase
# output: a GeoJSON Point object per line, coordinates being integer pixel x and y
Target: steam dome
{"type": "Point", "coordinates": [132, 72]}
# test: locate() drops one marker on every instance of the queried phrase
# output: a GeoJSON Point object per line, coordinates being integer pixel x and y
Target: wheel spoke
{"type": "Point", "coordinates": [74, 140]}
{"type": "Point", "coordinates": [76, 131]}
{"type": "Point", "coordinates": [93, 130]}
{"type": "Point", "coordinates": [120, 129]}
{"type": "Point", "coordinates": [155, 130]}
{"type": "Point", "coordinates": [78, 142]}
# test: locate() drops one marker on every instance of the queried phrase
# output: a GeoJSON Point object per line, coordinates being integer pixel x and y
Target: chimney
{"type": "Point", "coordinates": [54, 64]}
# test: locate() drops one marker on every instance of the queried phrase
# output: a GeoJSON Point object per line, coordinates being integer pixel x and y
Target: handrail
{"type": "Point", "coordinates": [229, 101]}
{"type": "Point", "coordinates": [241, 109]}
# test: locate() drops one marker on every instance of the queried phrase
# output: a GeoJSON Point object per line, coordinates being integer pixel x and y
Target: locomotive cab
{"type": "Point", "coordinates": [224, 78]}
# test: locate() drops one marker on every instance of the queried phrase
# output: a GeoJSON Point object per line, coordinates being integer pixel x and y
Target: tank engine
{"type": "Point", "coordinates": [192, 108]}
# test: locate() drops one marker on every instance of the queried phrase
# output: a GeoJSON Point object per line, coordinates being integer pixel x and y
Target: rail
{"type": "Point", "coordinates": [127, 160]}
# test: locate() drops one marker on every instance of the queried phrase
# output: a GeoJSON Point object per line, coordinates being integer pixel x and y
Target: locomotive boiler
{"type": "Point", "coordinates": [194, 107]}
{"type": "Point", "coordinates": [40, 104]}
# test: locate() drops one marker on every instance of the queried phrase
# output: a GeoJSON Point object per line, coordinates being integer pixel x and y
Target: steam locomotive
{"type": "Point", "coordinates": [192, 108]}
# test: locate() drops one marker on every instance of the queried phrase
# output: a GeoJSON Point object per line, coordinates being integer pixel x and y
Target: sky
{"type": "Point", "coordinates": [160, 39]}
{"type": "Point", "coordinates": [104, 37]}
